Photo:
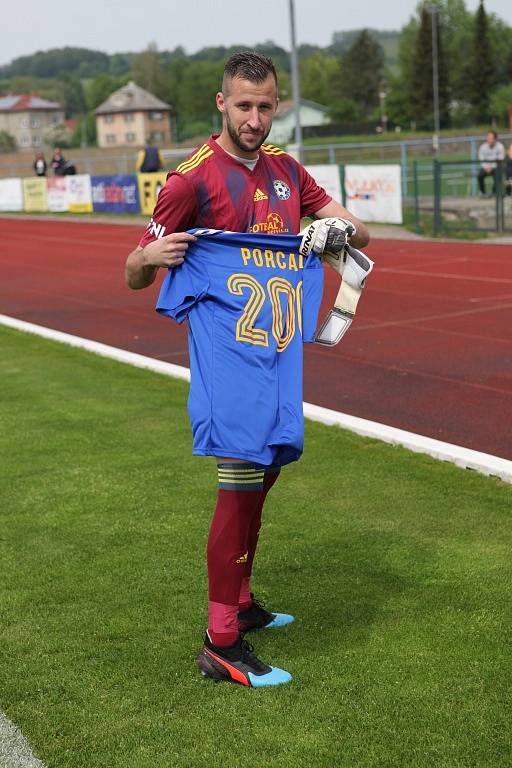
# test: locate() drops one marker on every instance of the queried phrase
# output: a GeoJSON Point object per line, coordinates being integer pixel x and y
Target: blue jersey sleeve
{"type": "Point", "coordinates": [181, 289]}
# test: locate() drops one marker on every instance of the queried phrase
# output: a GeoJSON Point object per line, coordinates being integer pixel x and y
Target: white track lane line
{"type": "Point", "coordinates": [15, 750]}
{"type": "Point", "coordinates": [462, 457]}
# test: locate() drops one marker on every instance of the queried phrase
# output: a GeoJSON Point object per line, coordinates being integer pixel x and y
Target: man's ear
{"type": "Point", "coordinates": [220, 101]}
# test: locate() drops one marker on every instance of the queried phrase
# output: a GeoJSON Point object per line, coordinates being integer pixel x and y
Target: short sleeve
{"type": "Point", "coordinates": [175, 210]}
{"type": "Point", "coordinates": [312, 196]}
{"type": "Point", "coordinates": [183, 287]}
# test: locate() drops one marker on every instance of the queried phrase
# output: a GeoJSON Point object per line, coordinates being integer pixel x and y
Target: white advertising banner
{"type": "Point", "coordinates": [328, 177]}
{"type": "Point", "coordinates": [57, 194]}
{"type": "Point", "coordinates": [80, 193]}
{"type": "Point", "coordinates": [374, 192]}
{"type": "Point", "coordinates": [11, 195]}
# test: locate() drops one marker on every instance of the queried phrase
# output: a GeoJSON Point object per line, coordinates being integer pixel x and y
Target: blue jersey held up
{"type": "Point", "coordinates": [251, 301]}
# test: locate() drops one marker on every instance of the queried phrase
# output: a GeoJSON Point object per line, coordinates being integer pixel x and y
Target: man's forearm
{"type": "Point", "coordinates": [138, 274]}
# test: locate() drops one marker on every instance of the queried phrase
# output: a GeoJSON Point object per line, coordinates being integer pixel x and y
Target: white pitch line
{"type": "Point", "coordinates": [15, 750]}
{"type": "Point", "coordinates": [462, 457]}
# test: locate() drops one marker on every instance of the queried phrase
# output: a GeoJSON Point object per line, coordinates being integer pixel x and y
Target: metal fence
{"type": "Point", "coordinates": [448, 193]}
{"type": "Point", "coordinates": [403, 151]}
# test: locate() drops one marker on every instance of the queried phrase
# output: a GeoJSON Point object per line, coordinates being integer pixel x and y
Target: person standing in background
{"type": "Point", "coordinates": [149, 159]}
{"type": "Point", "coordinates": [40, 165]}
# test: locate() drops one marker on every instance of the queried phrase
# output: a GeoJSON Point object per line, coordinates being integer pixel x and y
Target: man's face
{"type": "Point", "coordinates": [247, 112]}
{"type": "Point", "coordinates": [491, 139]}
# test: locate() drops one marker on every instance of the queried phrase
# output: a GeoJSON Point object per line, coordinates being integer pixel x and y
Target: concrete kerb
{"type": "Point", "coordinates": [462, 457]}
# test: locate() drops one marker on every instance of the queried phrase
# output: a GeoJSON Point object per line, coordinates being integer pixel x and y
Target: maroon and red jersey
{"type": "Point", "coordinates": [211, 189]}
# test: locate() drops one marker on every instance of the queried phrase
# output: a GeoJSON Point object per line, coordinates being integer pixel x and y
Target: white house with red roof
{"type": "Point", "coordinates": [27, 117]}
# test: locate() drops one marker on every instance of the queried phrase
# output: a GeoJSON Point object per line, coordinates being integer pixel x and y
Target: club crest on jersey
{"type": "Point", "coordinates": [282, 189]}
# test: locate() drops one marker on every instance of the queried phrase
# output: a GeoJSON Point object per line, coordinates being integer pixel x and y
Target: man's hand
{"type": "Point", "coordinates": [142, 264]}
{"type": "Point", "coordinates": [168, 251]}
{"type": "Point", "coordinates": [326, 235]}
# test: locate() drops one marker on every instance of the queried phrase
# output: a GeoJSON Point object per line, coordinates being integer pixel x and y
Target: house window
{"type": "Point", "coordinates": [111, 138]}
{"type": "Point", "coordinates": [36, 141]}
{"type": "Point", "coordinates": [24, 122]}
{"type": "Point", "coordinates": [25, 140]}
{"type": "Point", "coordinates": [108, 119]}
{"type": "Point", "coordinates": [156, 115]}
{"type": "Point", "coordinates": [129, 117]}
{"type": "Point", "coordinates": [157, 136]}
{"type": "Point", "coordinates": [130, 136]}
{"type": "Point", "coordinates": [35, 122]}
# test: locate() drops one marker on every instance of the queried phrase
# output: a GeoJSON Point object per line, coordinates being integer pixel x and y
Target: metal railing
{"type": "Point", "coordinates": [403, 151]}
{"type": "Point", "coordinates": [449, 192]}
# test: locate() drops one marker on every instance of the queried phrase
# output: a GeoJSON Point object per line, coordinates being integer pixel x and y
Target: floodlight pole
{"type": "Point", "coordinates": [435, 78]}
{"type": "Point", "coordinates": [296, 85]}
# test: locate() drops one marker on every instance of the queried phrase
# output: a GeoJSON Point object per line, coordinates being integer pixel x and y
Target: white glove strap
{"type": "Point", "coordinates": [355, 268]}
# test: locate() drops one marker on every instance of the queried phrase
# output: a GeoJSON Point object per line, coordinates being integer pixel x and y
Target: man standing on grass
{"type": "Point", "coordinates": [236, 183]}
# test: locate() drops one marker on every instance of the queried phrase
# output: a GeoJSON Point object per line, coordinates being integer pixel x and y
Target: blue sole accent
{"type": "Point", "coordinates": [275, 677]}
{"type": "Point", "coordinates": [281, 620]}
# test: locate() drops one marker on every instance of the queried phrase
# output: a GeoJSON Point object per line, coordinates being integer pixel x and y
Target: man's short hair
{"type": "Point", "coordinates": [248, 65]}
{"type": "Point", "coordinates": [493, 132]}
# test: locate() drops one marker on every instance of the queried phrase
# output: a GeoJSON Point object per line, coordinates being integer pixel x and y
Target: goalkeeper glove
{"type": "Point", "coordinates": [326, 235]}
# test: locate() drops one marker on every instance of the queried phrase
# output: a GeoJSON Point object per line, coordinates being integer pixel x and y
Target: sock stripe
{"type": "Point", "coordinates": [245, 477]}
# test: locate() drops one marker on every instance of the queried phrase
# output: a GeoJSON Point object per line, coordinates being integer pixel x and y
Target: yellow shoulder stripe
{"type": "Point", "coordinates": [197, 158]}
{"type": "Point", "coordinates": [270, 149]}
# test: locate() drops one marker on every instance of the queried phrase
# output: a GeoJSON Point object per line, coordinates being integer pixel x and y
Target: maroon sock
{"type": "Point", "coordinates": [240, 487]}
{"type": "Point", "coordinates": [245, 599]}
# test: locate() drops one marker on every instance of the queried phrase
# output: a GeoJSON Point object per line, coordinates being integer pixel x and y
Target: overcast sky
{"type": "Point", "coordinates": [130, 25]}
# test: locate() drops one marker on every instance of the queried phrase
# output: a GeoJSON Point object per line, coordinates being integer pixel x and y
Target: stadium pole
{"type": "Point", "coordinates": [435, 78]}
{"type": "Point", "coordinates": [296, 85]}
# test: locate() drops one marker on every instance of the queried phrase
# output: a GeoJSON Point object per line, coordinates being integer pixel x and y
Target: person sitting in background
{"type": "Point", "coordinates": [58, 163]}
{"type": "Point", "coordinates": [40, 165]}
{"type": "Point", "coordinates": [489, 153]}
{"type": "Point", "coordinates": [508, 172]}
{"type": "Point", "coordinates": [149, 159]}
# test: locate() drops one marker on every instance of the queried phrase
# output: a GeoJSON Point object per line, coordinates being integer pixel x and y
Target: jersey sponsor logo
{"type": "Point", "coordinates": [157, 230]}
{"type": "Point", "coordinates": [243, 559]}
{"type": "Point", "coordinates": [282, 189]}
{"type": "Point", "coordinates": [273, 225]}
{"type": "Point", "coordinates": [259, 195]}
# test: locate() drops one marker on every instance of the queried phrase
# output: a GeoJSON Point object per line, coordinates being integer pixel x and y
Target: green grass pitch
{"type": "Point", "coordinates": [397, 568]}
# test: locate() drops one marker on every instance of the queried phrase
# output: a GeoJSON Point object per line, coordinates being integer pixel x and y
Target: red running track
{"type": "Point", "coordinates": [430, 350]}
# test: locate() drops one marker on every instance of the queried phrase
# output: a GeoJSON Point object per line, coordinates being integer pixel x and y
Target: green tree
{"type": "Point", "coordinates": [148, 73]}
{"type": "Point", "coordinates": [99, 89]}
{"type": "Point", "coordinates": [481, 75]}
{"type": "Point", "coordinates": [421, 88]}
{"type": "Point", "coordinates": [7, 142]}
{"type": "Point", "coordinates": [318, 76]}
{"type": "Point", "coordinates": [200, 82]}
{"type": "Point", "coordinates": [362, 68]}
{"type": "Point", "coordinates": [71, 94]}
{"type": "Point", "coordinates": [500, 101]}
{"type": "Point", "coordinates": [85, 131]}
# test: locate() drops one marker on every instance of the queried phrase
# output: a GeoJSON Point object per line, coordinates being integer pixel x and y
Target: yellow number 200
{"type": "Point", "coordinates": [283, 328]}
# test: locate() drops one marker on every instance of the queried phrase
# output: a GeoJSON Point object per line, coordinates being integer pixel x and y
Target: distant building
{"type": "Point", "coordinates": [283, 126]}
{"type": "Point", "coordinates": [27, 118]}
{"type": "Point", "coordinates": [129, 116]}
